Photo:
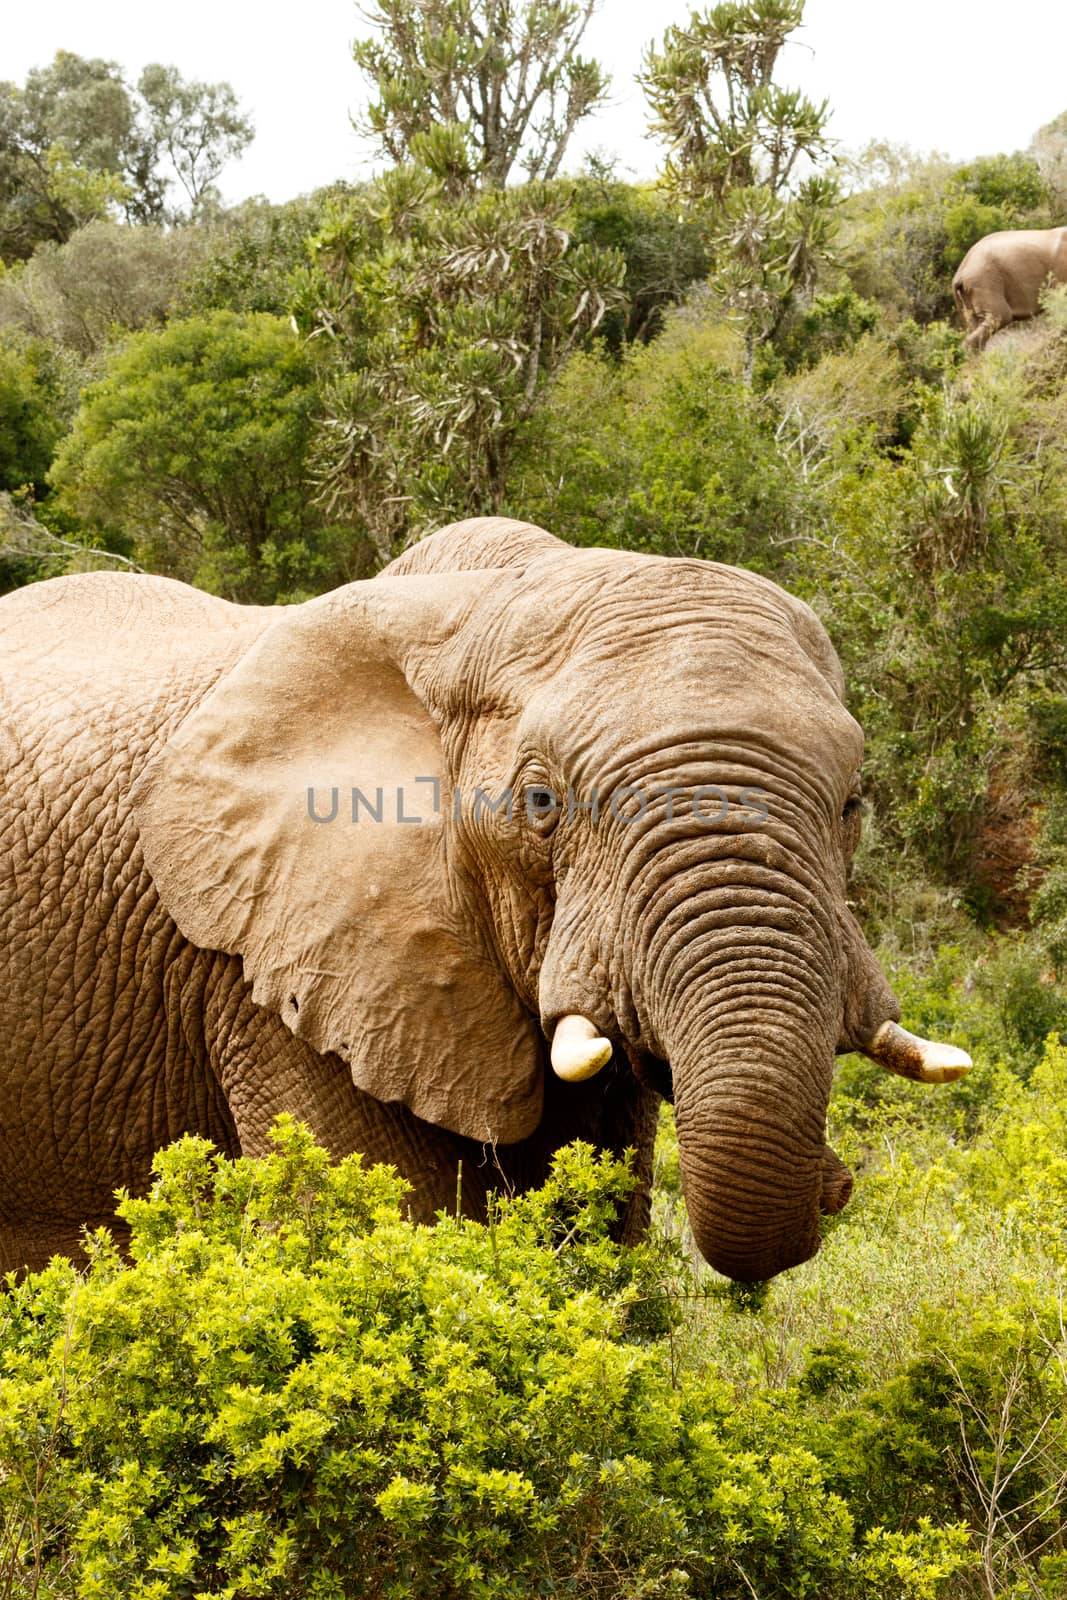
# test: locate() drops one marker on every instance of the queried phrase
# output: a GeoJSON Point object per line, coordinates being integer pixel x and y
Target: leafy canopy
{"type": "Point", "coordinates": [78, 142]}
{"type": "Point", "coordinates": [192, 444]}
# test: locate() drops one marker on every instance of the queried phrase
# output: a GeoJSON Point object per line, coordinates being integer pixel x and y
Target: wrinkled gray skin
{"type": "Point", "coordinates": [182, 948]}
{"type": "Point", "coordinates": [1001, 278]}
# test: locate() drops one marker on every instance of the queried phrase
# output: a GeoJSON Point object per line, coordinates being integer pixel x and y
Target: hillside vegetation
{"type": "Point", "coordinates": [752, 360]}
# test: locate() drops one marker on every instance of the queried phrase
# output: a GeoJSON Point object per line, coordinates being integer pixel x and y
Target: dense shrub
{"type": "Point", "coordinates": [106, 280]}
{"type": "Point", "coordinates": [289, 1390]}
{"type": "Point", "coordinates": [250, 252]}
{"type": "Point", "coordinates": [193, 444]}
{"type": "Point", "coordinates": [667, 452]}
{"type": "Point", "coordinates": [31, 420]}
{"type": "Point", "coordinates": [664, 251]}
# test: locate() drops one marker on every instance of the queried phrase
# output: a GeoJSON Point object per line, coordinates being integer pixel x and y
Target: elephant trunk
{"type": "Point", "coordinates": [747, 1012]}
{"type": "Point", "coordinates": [754, 1165]}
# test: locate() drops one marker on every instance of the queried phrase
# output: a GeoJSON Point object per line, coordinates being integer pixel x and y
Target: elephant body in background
{"type": "Point", "coordinates": [1000, 279]}
{"type": "Point", "coordinates": [362, 859]}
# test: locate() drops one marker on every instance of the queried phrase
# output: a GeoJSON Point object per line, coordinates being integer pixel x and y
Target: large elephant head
{"type": "Point", "coordinates": [681, 908]}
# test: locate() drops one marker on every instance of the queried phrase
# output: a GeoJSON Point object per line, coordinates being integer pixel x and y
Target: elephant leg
{"type": "Point", "coordinates": [992, 314]}
{"type": "Point", "coordinates": [264, 1071]}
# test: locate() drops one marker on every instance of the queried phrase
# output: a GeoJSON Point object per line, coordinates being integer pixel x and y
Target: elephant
{"type": "Point", "coordinates": [1000, 279]}
{"type": "Point", "coordinates": [456, 864]}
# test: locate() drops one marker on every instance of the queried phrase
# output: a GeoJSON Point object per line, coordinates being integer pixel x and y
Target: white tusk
{"type": "Point", "coordinates": [578, 1051]}
{"type": "Point", "coordinates": [894, 1048]}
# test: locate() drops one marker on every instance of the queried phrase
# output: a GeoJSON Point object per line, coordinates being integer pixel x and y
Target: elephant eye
{"type": "Point", "coordinates": [542, 808]}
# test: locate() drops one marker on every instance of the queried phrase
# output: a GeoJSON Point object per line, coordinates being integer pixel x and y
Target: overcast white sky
{"type": "Point", "coordinates": [934, 74]}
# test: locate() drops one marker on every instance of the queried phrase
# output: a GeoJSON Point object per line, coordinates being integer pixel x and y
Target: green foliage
{"type": "Point", "coordinates": [711, 88]}
{"type": "Point", "coordinates": [1049, 150]}
{"type": "Point", "coordinates": [665, 452]}
{"type": "Point", "coordinates": [922, 1353]}
{"type": "Point", "coordinates": [1014, 183]}
{"type": "Point", "coordinates": [66, 140]}
{"type": "Point", "coordinates": [192, 443]}
{"type": "Point", "coordinates": [290, 1390]}
{"type": "Point", "coordinates": [972, 1424]}
{"type": "Point", "coordinates": [737, 143]}
{"type": "Point", "coordinates": [251, 253]}
{"type": "Point", "coordinates": [468, 89]}
{"type": "Point", "coordinates": [444, 325]}
{"type": "Point", "coordinates": [106, 280]}
{"type": "Point", "coordinates": [769, 251]}
{"type": "Point", "coordinates": [30, 413]}
{"type": "Point", "coordinates": [831, 324]}
{"type": "Point", "coordinates": [942, 586]}
{"type": "Point", "coordinates": [78, 143]}
{"type": "Point", "coordinates": [664, 251]}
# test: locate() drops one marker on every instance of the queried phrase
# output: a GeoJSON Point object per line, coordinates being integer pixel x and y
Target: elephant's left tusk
{"type": "Point", "coordinates": [578, 1051]}
{"type": "Point", "coordinates": [923, 1060]}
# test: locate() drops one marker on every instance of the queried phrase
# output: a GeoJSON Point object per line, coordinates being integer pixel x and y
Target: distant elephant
{"type": "Point", "coordinates": [258, 860]}
{"type": "Point", "coordinates": [1000, 279]}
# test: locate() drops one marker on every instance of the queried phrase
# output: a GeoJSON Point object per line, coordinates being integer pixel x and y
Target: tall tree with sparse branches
{"type": "Point", "coordinates": [741, 151]}
{"type": "Point", "coordinates": [471, 89]}
{"type": "Point", "coordinates": [196, 127]}
{"type": "Point", "coordinates": [78, 142]}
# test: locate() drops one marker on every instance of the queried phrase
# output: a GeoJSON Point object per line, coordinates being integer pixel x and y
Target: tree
{"type": "Point", "coordinates": [1049, 149]}
{"type": "Point", "coordinates": [445, 324]}
{"type": "Point", "coordinates": [199, 127]}
{"type": "Point", "coordinates": [737, 143]}
{"type": "Point", "coordinates": [72, 122]}
{"type": "Point", "coordinates": [107, 278]}
{"type": "Point", "coordinates": [664, 251]}
{"type": "Point", "coordinates": [192, 445]}
{"type": "Point", "coordinates": [471, 88]}
{"type": "Point", "coordinates": [727, 124]}
{"type": "Point", "coordinates": [30, 423]}
{"type": "Point", "coordinates": [76, 142]}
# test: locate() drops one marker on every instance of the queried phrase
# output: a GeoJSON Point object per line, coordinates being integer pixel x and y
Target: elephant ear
{"type": "Point", "coordinates": [355, 932]}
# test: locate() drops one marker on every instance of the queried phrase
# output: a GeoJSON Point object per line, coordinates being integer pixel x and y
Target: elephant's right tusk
{"type": "Point", "coordinates": [578, 1051]}
{"type": "Point", "coordinates": [923, 1060]}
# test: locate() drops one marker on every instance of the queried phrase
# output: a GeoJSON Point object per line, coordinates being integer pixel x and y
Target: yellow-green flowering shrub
{"type": "Point", "coordinates": [289, 1390]}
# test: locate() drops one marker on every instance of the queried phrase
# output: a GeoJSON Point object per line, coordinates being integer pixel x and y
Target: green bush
{"type": "Point", "coordinates": [107, 279]}
{"type": "Point", "coordinates": [830, 324]}
{"type": "Point", "coordinates": [30, 413]}
{"type": "Point", "coordinates": [974, 1424]}
{"type": "Point", "coordinates": [664, 251]}
{"type": "Point", "coordinates": [193, 444]}
{"type": "Point", "coordinates": [291, 1391]}
{"type": "Point", "coordinates": [250, 253]}
{"type": "Point", "coordinates": [666, 451]}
